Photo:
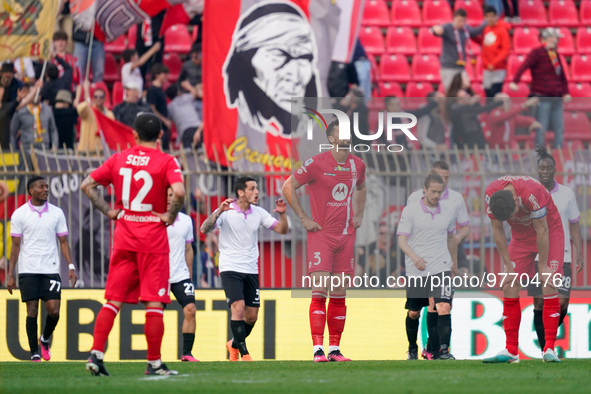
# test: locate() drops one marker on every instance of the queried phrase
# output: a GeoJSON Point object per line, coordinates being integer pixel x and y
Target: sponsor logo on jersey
{"type": "Point", "coordinates": [534, 202]}
{"type": "Point", "coordinates": [308, 162]}
{"type": "Point", "coordinates": [339, 168]}
{"type": "Point", "coordinates": [340, 191]}
{"type": "Point", "coordinates": [329, 174]}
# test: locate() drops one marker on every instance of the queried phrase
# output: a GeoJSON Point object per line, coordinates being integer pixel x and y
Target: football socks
{"type": "Point", "coordinates": [336, 316]}
{"type": "Point", "coordinates": [512, 319]}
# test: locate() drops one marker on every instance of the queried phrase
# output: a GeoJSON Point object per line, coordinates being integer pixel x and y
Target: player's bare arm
{"type": "Point", "coordinates": [418, 261]}
{"type": "Point", "coordinates": [281, 208]}
{"type": "Point", "coordinates": [543, 243]}
{"type": "Point", "coordinates": [359, 204]}
{"type": "Point", "coordinates": [462, 234]}
{"type": "Point", "coordinates": [14, 252]}
{"type": "Point", "coordinates": [209, 223]}
{"type": "Point", "coordinates": [288, 188]}
{"type": "Point", "coordinates": [176, 203]}
{"type": "Point", "coordinates": [575, 233]}
{"type": "Point", "coordinates": [90, 188]}
{"type": "Point", "coordinates": [189, 259]}
{"type": "Point", "coordinates": [65, 247]}
{"type": "Point", "coordinates": [501, 243]}
{"type": "Point", "coordinates": [452, 246]}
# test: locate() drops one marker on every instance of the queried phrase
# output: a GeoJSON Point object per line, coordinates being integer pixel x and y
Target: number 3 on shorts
{"type": "Point", "coordinates": [317, 257]}
{"type": "Point", "coordinates": [55, 283]}
{"type": "Point", "coordinates": [257, 298]}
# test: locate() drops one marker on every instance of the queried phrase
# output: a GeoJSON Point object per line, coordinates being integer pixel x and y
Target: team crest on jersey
{"type": "Point", "coordinates": [554, 265]}
{"type": "Point", "coordinates": [487, 199]}
{"type": "Point", "coordinates": [308, 162]}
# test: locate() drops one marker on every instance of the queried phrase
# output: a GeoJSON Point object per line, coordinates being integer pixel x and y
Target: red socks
{"type": "Point", "coordinates": [103, 325]}
{"type": "Point", "coordinates": [337, 312]}
{"type": "Point", "coordinates": [550, 316]}
{"type": "Point", "coordinates": [318, 317]}
{"type": "Point", "coordinates": [511, 321]}
{"type": "Point", "coordinates": [154, 331]}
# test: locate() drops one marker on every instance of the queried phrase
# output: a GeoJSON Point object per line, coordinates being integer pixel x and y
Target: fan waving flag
{"type": "Point", "coordinates": [26, 28]}
{"type": "Point", "coordinates": [115, 134]}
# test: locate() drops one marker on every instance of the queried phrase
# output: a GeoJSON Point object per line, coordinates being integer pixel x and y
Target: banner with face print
{"type": "Point", "coordinates": [265, 54]}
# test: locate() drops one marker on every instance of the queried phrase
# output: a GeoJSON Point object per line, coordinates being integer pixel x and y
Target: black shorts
{"type": "Point", "coordinates": [40, 287]}
{"type": "Point", "coordinates": [535, 289]}
{"type": "Point", "coordinates": [239, 286]}
{"type": "Point", "coordinates": [184, 292]}
{"type": "Point", "coordinates": [418, 292]}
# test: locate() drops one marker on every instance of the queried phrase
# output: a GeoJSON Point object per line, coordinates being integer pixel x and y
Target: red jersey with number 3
{"type": "Point", "coordinates": [534, 202]}
{"type": "Point", "coordinates": [140, 177]}
{"type": "Point", "coordinates": [331, 187]}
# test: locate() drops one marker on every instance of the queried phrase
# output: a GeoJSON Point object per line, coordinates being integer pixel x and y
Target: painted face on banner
{"type": "Point", "coordinates": [272, 59]}
{"type": "Point", "coordinates": [18, 17]}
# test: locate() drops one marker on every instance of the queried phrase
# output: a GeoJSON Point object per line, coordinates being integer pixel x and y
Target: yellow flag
{"type": "Point", "coordinates": [26, 28]}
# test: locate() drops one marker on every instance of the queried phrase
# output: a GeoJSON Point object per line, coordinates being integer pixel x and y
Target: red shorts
{"type": "Point", "coordinates": [334, 253]}
{"type": "Point", "coordinates": [137, 276]}
{"type": "Point", "coordinates": [524, 256]}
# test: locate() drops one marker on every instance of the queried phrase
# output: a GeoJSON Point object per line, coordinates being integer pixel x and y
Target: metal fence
{"type": "Point", "coordinates": [390, 179]}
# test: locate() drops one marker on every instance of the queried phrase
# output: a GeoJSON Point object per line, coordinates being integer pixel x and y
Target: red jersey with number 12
{"type": "Point", "coordinates": [331, 187]}
{"type": "Point", "coordinates": [534, 202]}
{"type": "Point", "coordinates": [140, 177]}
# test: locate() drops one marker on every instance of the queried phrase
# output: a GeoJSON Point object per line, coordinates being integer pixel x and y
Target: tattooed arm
{"type": "Point", "coordinates": [90, 188]}
{"type": "Point", "coordinates": [209, 223]}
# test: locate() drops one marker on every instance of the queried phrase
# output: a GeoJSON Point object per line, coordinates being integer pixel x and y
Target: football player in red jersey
{"type": "Point", "coordinates": [528, 208]}
{"type": "Point", "coordinates": [139, 263]}
{"type": "Point", "coordinates": [336, 182]}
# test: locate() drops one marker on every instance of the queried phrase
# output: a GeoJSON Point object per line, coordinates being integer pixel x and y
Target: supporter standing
{"type": "Point", "coordinates": [496, 46]}
{"type": "Point", "coordinates": [90, 141]}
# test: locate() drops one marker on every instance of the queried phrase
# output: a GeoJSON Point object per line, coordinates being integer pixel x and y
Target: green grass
{"type": "Point", "coordinates": [529, 376]}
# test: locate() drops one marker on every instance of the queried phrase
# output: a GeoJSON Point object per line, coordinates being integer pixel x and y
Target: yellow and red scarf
{"type": "Point", "coordinates": [35, 110]}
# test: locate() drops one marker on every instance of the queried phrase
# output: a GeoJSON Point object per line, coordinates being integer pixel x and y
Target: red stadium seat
{"type": "Point", "coordinates": [177, 39]}
{"type": "Point", "coordinates": [576, 126]}
{"type": "Point", "coordinates": [474, 10]}
{"type": "Point", "coordinates": [101, 85]}
{"type": "Point", "coordinates": [416, 93]}
{"type": "Point", "coordinates": [425, 68]}
{"type": "Point", "coordinates": [513, 65]}
{"type": "Point", "coordinates": [584, 40]}
{"type": "Point", "coordinates": [406, 13]}
{"type": "Point", "coordinates": [372, 40]}
{"type": "Point", "coordinates": [401, 40]}
{"type": "Point", "coordinates": [525, 39]}
{"type": "Point", "coordinates": [112, 69]}
{"type": "Point", "coordinates": [585, 13]}
{"type": "Point", "coordinates": [388, 89]}
{"type": "Point", "coordinates": [117, 93]}
{"type": "Point", "coordinates": [566, 44]}
{"type": "Point", "coordinates": [436, 12]}
{"type": "Point", "coordinates": [581, 92]}
{"type": "Point", "coordinates": [518, 96]}
{"type": "Point", "coordinates": [533, 13]}
{"type": "Point", "coordinates": [475, 48]}
{"type": "Point", "coordinates": [581, 68]}
{"type": "Point", "coordinates": [375, 13]}
{"type": "Point", "coordinates": [394, 68]}
{"type": "Point", "coordinates": [428, 43]}
{"type": "Point", "coordinates": [174, 64]}
{"type": "Point", "coordinates": [563, 13]}
{"type": "Point", "coordinates": [478, 69]}
{"type": "Point", "coordinates": [131, 36]}
{"type": "Point", "coordinates": [374, 72]}
{"type": "Point", "coordinates": [116, 46]}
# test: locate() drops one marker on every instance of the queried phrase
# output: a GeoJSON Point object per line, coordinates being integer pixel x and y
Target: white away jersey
{"type": "Point", "coordinates": [38, 228]}
{"type": "Point", "coordinates": [427, 230]}
{"type": "Point", "coordinates": [239, 238]}
{"type": "Point", "coordinates": [179, 234]}
{"type": "Point", "coordinates": [450, 199]}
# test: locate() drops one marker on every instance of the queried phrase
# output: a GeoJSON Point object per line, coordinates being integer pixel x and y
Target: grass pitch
{"type": "Point", "coordinates": [530, 376]}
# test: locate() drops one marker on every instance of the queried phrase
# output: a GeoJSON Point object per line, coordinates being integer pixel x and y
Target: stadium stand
{"type": "Point", "coordinates": [118, 45]}
{"type": "Point", "coordinates": [428, 43]}
{"type": "Point", "coordinates": [372, 40]}
{"type": "Point", "coordinates": [581, 68]}
{"type": "Point", "coordinates": [401, 40]}
{"type": "Point", "coordinates": [394, 68]}
{"type": "Point", "coordinates": [585, 12]}
{"type": "Point", "coordinates": [406, 13]}
{"type": "Point", "coordinates": [177, 39]}
{"type": "Point", "coordinates": [112, 69]}
{"type": "Point", "coordinates": [416, 93]}
{"type": "Point", "coordinates": [436, 12]}
{"type": "Point", "coordinates": [513, 65]}
{"type": "Point", "coordinates": [583, 40]}
{"type": "Point", "coordinates": [117, 93]}
{"type": "Point", "coordinates": [563, 13]}
{"type": "Point", "coordinates": [532, 13]}
{"type": "Point", "coordinates": [131, 36]}
{"type": "Point", "coordinates": [525, 39]}
{"type": "Point", "coordinates": [474, 10]}
{"type": "Point", "coordinates": [566, 44]}
{"type": "Point", "coordinates": [174, 64]}
{"type": "Point", "coordinates": [386, 89]}
{"type": "Point", "coordinates": [375, 13]}
{"type": "Point", "coordinates": [425, 68]}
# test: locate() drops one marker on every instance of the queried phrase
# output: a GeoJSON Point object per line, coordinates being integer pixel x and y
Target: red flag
{"type": "Point", "coordinates": [115, 134]}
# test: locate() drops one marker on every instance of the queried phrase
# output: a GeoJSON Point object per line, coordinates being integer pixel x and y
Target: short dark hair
{"type": "Point", "coordinates": [31, 181]}
{"type": "Point", "coordinates": [127, 54]}
{"type": "Point", "coordinates": [172, 91]}
{"type": "Point", "coordinates": [60, 35]}
{"type": "Point", "coordinates": [52, 71]}
{"type": "Point", "coordinates": [442, 165]}
{"type": "Point", "coordinates": [196, 48]}
{"type": "Point", "coordinates": [502, 204]}
{"type": "Point", "coordinates": [331, 126]}
{"type": "Point", "coordinates": [460, 12]}
{"type": "Point", "coordinates": [488, 9]}
{"type": "Point", "coordinates": [159, 68]}
{"type": "Point", "coordinates": [433, 177]}
{"type": "Point", "coordinates": [147, 126]}
{"type": "Point", "coordinates": [543, 154]}
{"type": "Point", "coordinates": [241, 182]}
